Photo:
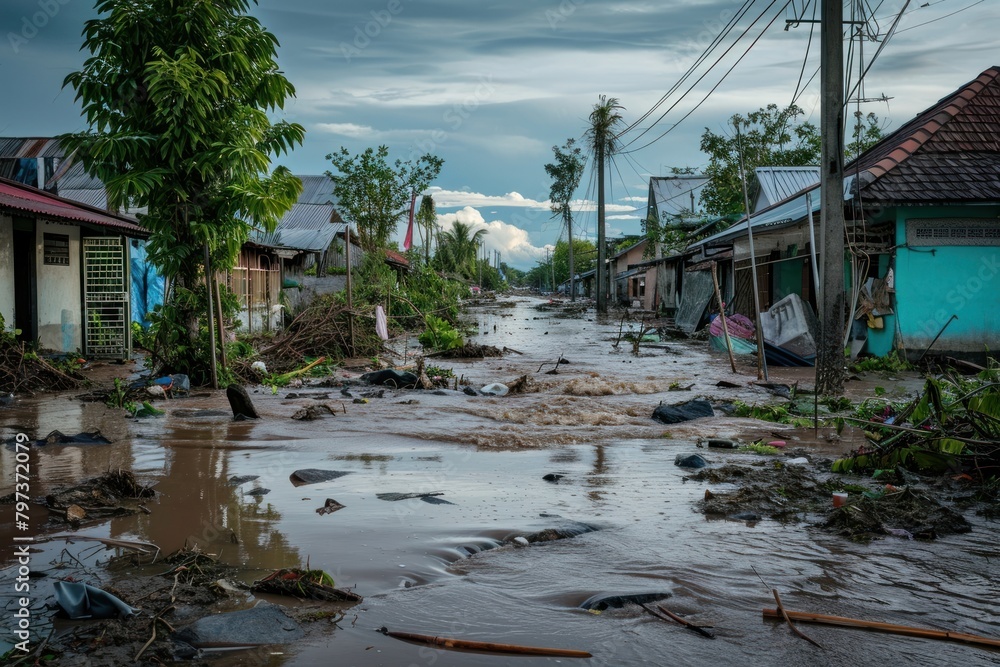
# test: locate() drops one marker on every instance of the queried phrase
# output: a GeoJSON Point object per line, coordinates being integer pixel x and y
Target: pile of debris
{"type": "Point", "coordinates": [953, 428]}
{"type": "Point", "coordinates": [324, 328]}
{"type": "Point", "coordinates": [23, 371]}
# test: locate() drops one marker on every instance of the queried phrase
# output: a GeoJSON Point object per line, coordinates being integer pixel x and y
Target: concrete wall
{"type": "Point", "coordinates": [7, 270]}
{"type": "Point", "coordinates": [59, 291]}
{"type": "Point", "coordinates": [935, 282]}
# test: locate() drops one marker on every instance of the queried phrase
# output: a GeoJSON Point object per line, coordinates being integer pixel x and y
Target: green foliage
{"type": "Point", "coordinates": [458, 249]}
{"type": "Point", "coordinates": [118, 398]}
{"type": "Point", "coordinates": [760, 448]}
{"type": "Point", "coordinates": [375, 194]}
{"type": "Point", "coordinates": [440, 335]}
{"type": "Point", "coordinates": [565, 173]}
{"type": "Point", "coordinates": [768, 137]}
{"type": "Point", "coordinates": [177, 95]}
{"type": "Point", "coordinates": [890, 363]}
{"type": "Point", "coordinates": [438, 372]}
{"type": "Point", "coordinates": [584, 258]}
{"type": "Point", "coordinates": [179, 332]}
{"type": "Point", "coordinates": [770, 413]}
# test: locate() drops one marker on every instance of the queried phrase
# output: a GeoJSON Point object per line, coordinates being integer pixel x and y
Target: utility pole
{"type": "Point", "coordinates": [602, 302]}
{"type": "Point", "coordinates": [830, 352]}
{"type": "Point", "coordinates": [572, 274]}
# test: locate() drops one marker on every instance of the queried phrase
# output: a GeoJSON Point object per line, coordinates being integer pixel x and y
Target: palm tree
{"type": "Point", "coordinates": [458, 248]}
{"type": "Point", "coordinates": [603, 141]}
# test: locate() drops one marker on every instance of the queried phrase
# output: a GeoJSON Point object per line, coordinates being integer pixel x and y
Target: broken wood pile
{"type": "Point", "coordinates": [304, 584]}
{"type": "Point", "coordinates": [325, 328]}
{"type": "Point", "coordinates": [23, 371]}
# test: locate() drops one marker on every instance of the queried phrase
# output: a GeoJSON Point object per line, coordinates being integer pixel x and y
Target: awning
{"type": "Point", "coordinates": [23, 198]}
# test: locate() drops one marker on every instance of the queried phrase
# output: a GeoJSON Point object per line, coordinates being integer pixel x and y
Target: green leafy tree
{"type": "Point", "coordinates": [565, 173]}
{"type": "Point", "coordinates": [177, 95]}
{"type": "Point", "coordinates": [376, 194]}
{"type": "Point", "coordinates": [584, 258]}
{"type": "Point", "coordinates": [769, 137]}
{"type": "Point", "coordinates": [866, 133]}
{"type": "Point", "coordinates": [458, 248]}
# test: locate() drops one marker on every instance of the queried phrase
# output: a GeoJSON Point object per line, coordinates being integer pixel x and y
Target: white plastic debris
{"type": "Point", "coordinates": [260, 366]}
{"type": "Point", "coordinates": [495, 389]}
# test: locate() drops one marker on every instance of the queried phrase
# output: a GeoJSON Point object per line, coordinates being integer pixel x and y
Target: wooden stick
{"type": "Point", "coordinates": [788, 620]}
{"type": "Point", "coordinates": [722, 316]}
{"type": "Point", "coordinates": [687, 624]}
{"type": "Point", "coordinates": [807, 617]}
{"type": "Point", "coordinates": [449, 643]}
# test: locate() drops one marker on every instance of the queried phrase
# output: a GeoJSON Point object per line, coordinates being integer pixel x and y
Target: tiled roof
{"type": "Point", "coordinates": [22, 198]}
{"type": "Point", "coordinates": [948, 153]}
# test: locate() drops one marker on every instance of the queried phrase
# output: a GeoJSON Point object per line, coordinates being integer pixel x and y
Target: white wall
{"type": "Point", "coordinates": [59, 292]}
{"type": "Point", "coordinates": [7, 270]}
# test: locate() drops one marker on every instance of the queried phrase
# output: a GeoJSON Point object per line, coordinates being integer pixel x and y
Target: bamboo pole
{"type": "Point", "coordinates": [909, 631]}
{"type": "Point", "coordinates": [722, 316]}
{"type": "Point", "coordinates": [464, 644]}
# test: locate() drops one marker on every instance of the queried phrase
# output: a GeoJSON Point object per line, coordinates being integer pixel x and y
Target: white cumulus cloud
{"type": "Point", "coordinates": [513, 242]}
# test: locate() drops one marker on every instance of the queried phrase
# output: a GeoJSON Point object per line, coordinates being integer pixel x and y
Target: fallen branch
{"type": "Point", "coordinates": [909, 631]}
{"type": "Point", "coordinates": [784, 614]}
{"type": "Point", "coordinates": [674, 617]}
{"type": "Point", "coordinates": [464, 644]}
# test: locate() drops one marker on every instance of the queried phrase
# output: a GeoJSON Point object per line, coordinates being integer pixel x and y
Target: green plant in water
{"type": "Point", "coordinates": [760, 448]}
{"type": "Point", "coordinates": [118, 398]}
{"type": "Point", "coordinates": [890, 363]}
{"type": "Point", "coordinates": [440, 335]}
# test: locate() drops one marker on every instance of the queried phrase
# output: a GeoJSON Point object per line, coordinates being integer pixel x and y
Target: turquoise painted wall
{"type": "Point", "coordinates": [935, 282]}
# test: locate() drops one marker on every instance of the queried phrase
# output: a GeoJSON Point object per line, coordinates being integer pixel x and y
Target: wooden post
{"type": "Point", "coordinates": [722, 316]}
{"type": "Point", "coordinates": [830, 354]}
{"type": "Point", "coordinates": [222, 324]}
{"type": "Point", "coordinates": [602, 251]}
{"type": "Point", "coordinates": [761, 360]}
{"type": "Point", "coordinates": [350, 287]}
{"type": "Point", "coordinates": [211, 320]}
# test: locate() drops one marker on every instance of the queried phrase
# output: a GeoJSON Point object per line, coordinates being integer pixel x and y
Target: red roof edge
{"type": "Point", "coordinates": [50, 205]}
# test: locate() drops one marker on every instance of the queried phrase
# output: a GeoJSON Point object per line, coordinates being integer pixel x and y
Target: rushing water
{"type": "Point", "coordinates": [445, 569]}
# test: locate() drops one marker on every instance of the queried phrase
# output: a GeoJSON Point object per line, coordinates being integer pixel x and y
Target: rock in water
{"type": "Point", "coordinates": [240, 402]}
{"type": "Point", "coordinates": [690, 461]}
{"type": "Point", "coordinates": [264, 624]}
{"type": "Point", "coordinates": [682, 412]}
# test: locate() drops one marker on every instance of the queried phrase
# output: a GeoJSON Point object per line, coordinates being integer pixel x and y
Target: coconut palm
{"type": "Point", "coordinates": [458, 248]}
{"type": "Point", "coordinates": [602, 137]}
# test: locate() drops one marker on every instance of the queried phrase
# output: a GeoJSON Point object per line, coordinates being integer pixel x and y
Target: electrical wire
{"type": "Point", "coordinates": [708, 94]}
{"type": "Point", "coordinates": [713, 65]}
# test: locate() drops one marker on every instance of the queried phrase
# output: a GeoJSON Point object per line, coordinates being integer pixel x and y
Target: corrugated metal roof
{"type": "Point", "coordinates": [676, 195]}
{"type": "Point", "coordinates": [316, 190]}
{"type": "Point", "coordinates": [778, 183]}
{"type": "Point", "coordinates": [316, 240]}
{"type": "Point", "coordinates": [782, 214]}
{"type": "Point", "coordinates": [19, 197]}
{"type": "Point", "coordinates": [306, 216]}
{"type": "Point", "coordinates": [30, 147]}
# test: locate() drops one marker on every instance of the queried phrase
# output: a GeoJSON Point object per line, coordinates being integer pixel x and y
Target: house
{"type": "Point", "coordinates": [64, 272]}
{"type": "Point", "coordinates": [634, 281]}
{"type": "Point", "coordinates": [922, 211]}
{"type": "Point", "coordinates": [672, 199]}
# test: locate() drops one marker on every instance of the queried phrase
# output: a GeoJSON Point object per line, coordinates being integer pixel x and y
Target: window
{"type": "Point", "coordinates": [56, 249]}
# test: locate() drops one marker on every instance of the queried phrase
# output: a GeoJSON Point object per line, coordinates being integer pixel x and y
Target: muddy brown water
{"type": "Point", "coordinates": [443, 569]}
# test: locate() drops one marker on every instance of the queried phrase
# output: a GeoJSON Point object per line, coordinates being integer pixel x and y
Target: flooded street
{"type": "Point", "coordinates": [451, 570]}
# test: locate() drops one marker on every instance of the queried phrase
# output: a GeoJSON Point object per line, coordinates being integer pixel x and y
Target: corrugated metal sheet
{"type": "Point", "coordinates": [306, 216]}
{"type": "Point", "coordinates": [95, 198]}
{"type": "Point", "coordinates": [316, 190]}
{"type": "Point", "coordinates": [676, 195]}
{"type": "Point", "coordinates": [778, 183]}
{"type": "Point", "coordinates": [18, 197]}
{"type": "Point", "coordinates": [30, 147]}
{"type": "Point", "coordinates": [316, 240]}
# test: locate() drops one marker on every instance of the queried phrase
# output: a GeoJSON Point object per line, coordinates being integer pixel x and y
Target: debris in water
{"type": "Point", "coordinates": [310, 584]}
{"type": "Point", "coordinates": [315, 476]}
{"type": "Point", "coordinates": [490, 647]}
{"type": "Point", "coordinates": [329, 507]}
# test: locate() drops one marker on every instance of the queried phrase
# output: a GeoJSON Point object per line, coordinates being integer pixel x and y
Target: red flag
{"type": "Point", "coordinates": [408, 241]}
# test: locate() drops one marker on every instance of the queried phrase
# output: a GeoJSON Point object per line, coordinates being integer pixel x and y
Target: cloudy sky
{"type": "Point", "coordinates": [491, 87]}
